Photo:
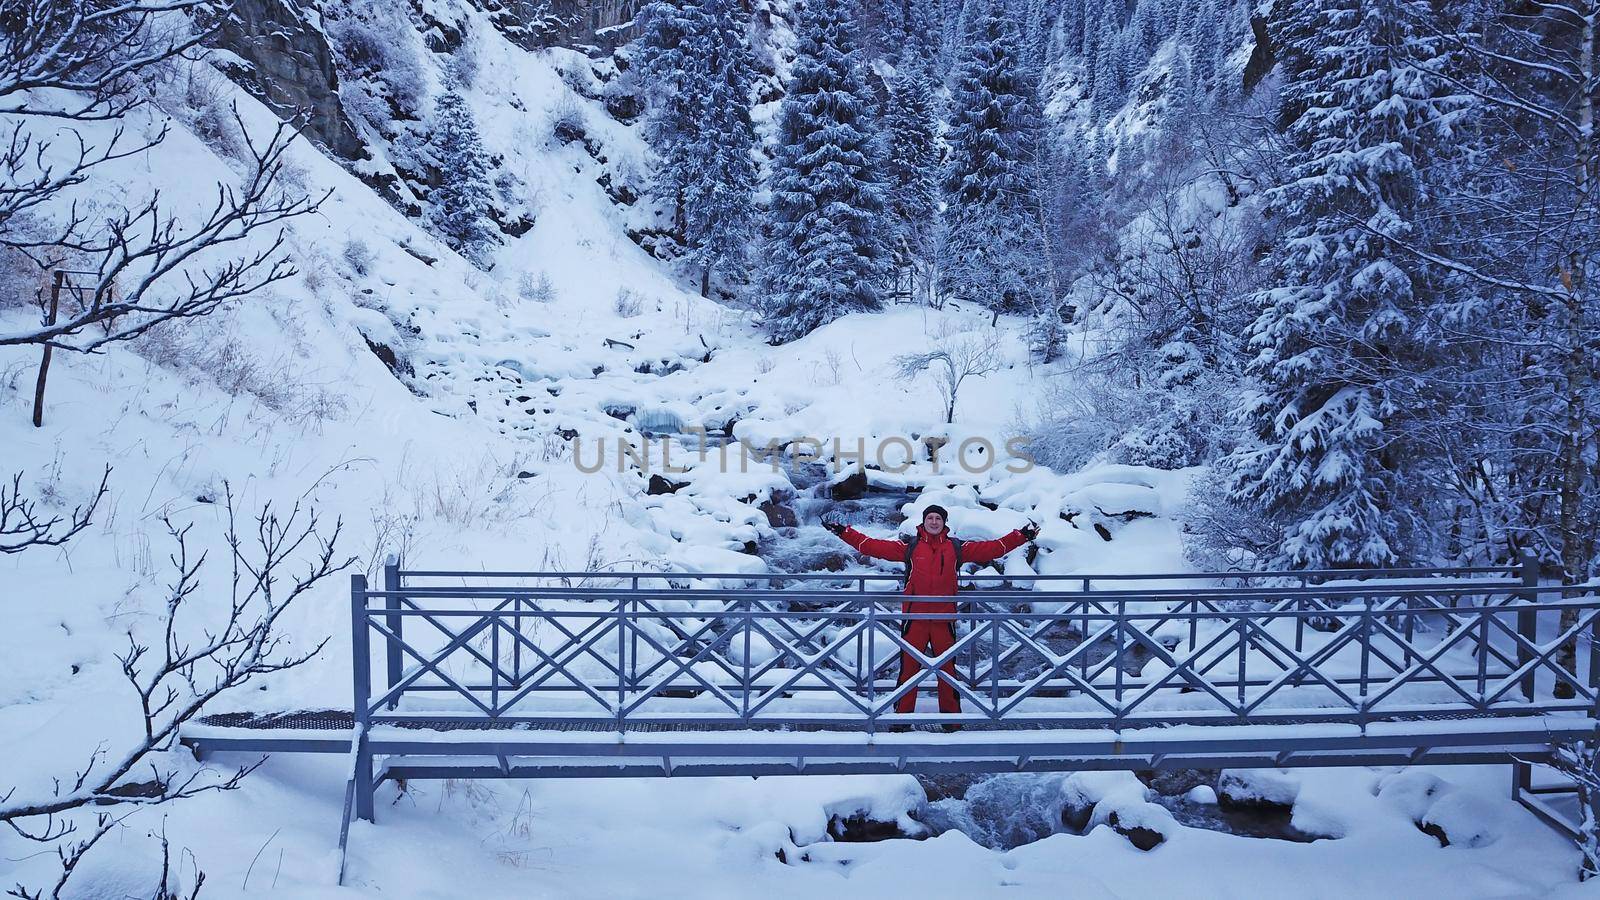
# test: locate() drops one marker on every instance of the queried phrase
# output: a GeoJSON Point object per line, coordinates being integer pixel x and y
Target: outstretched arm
{"type": "Point", "coordinates": [988, 551]}
{"type": "Point", "coordinates": [878, 548]}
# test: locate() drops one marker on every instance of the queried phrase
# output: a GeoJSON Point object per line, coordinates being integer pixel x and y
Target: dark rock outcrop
{"type": "Point", "coordinates": [1137, 835]}
{"type": "Point", "coordinates": [1262, 57]}
{"type": "Point", "coordinates": [778, 514]}
{"type": "Point", "coordinates": [580, 24]}
{"type": "Point", "coordinates": [1177, 782]}
{"type": "Point", "coordinates": [859, 828]}
{"type": "Point", "coordinates": [659, 485]}
{"type": "Point", "coordinates": [289, 67]}
{"type": "Point", "coordinates": [851, 488]}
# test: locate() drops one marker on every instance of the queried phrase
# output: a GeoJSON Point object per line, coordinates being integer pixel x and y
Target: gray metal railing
{"type": "Point", "coordinates": [633, 650]}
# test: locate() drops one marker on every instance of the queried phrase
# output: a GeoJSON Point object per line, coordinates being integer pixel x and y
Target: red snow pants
{"type": "Point", "coordinates": [926, 635]}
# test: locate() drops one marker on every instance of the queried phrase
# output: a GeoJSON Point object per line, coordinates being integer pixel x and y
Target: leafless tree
{"type": "Point", "coordinates": [22, 525]}
{"type": "Point", "coordinates": [954, 358]}
{"type": "Point", "coordinates": [149, 268]}
{"type": "Point", "coordinates": [92, 50]}
{"type": "Point", "coordinates": [1579, 761]}
{"type": "Point", "coordinates": [174, 672]}
{"type": "Point", "coordinates": [142, 265]}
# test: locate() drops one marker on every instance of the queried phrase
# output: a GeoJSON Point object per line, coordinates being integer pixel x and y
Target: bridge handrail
{"type": "Point", "coordinates": [641, 644]}
{"type": "Point", "coordinates": [1399, 589]}
{"type": "Point", "coordinates": [982, 576]}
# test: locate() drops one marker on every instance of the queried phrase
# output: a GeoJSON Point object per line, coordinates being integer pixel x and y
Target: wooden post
{"type": "Point", "coordinates": [44, 360]}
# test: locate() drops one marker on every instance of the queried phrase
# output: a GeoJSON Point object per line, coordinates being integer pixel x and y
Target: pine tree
{"type": "Point", "coordinates": [720, 197]}
{"type": "Point", "coordinates": [667, 64]}
{"type": "Point", "coordinates": [920, 48]}
{"type": "Point", "coordinates": [1072, 17]}
{"type": "Point", "coordinates": [459, 206]}
{"type": "Point", "coordinates": [1207, 45]}
{"type": "Point", "coordinates": [1109, 90]}
{"type": "Point", "coordinates": [827, 253]}
{"type": "Point", "coordinates": [995, 247]}
{"type": "Point", "coordinates": [1188, 13]}
{"type": "Point", "coordinates": [1341, 333]}
{"type": "Point", "coordinates": [695, 55]}
{"type": "Point", "coordinates": [913, 169]}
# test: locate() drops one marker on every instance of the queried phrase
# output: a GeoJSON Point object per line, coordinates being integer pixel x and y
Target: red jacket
{"type": "Point", "coordinates": [933, 562]}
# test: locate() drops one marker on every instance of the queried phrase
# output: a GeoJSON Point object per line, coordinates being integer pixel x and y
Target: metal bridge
{"type": "Point", "coordinates": [582, 674]}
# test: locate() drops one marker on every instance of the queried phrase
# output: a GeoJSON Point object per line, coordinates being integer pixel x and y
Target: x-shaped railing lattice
{"type": "Point", "coordinates": [624, 655]}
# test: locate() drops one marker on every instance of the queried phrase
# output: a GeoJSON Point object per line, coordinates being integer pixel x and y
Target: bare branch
{"type": "Point", "coordinates": [179, 669]}
{"type": "Point", "coordinates": [23, 526]}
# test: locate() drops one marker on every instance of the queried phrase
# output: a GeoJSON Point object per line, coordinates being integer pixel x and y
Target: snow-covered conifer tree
{"type": "Point", "coordinates": [1108, 89]}
{"type": "Point", "coordinates": [698, 59]}
{"type": "Point", "coordinates": [719, 219]}
{"type": "Point", "coordinates": [1341, 330]}
{"type": "Point", "coordinates": [913, 170]}
{"type": "Point", "coordinates": [668, 32]}
{"type": "Point", "coordinates": [1207, 45]}
{"type": "Point", "coordinates": [459, 206]}
{"type": "Point", "coordinates": [995, 249]}
{"type": "Point", "coordinates": [827, 248]}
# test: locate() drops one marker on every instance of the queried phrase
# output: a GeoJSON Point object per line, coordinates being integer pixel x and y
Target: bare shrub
{"type": "Point", "coordinates": [955, 357]}
{"type": "Point", "coordinates": [628, 303]}
{"type": "Point", "coordinates": [208, 108]}
{"type": "Point", "coordinates": [216, 353]}
{"type": "Point", "coordinates": [538, 290]}
{"type": "Point", "coordinates": [568, 120]}
{"type": "Point", "coordinates": [192, 653]}
{"type": "Point", "coordinates": [358, 256]}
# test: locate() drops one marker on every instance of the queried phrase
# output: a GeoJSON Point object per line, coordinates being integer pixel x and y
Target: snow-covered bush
{"type": "Point", "coordinates": [462, 65]}
{"type": "Point", "coordinates": [568, 121]}
{"type": "Point", "coordinates": [537, 289]}
{"type": "Point", "coordinates": [1221, 535]}
{"type": "Point", "coordinates": [376, 44]}
{"type": "Point", "coordinates": [358, 256]}
{"type": "Point", "coordinates": [628, 303]}
{"type": "Point", "coordinates": [1079, 419]}
{"type": "Point", "coordinates": [210, 114]}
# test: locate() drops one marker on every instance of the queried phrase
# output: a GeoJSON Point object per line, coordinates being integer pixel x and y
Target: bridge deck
{"type": "Point", "coordinates": [455, 748]}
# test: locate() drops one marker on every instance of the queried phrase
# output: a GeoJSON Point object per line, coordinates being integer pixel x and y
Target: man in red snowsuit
{"type": "Point", "coordinates": [933, 557]}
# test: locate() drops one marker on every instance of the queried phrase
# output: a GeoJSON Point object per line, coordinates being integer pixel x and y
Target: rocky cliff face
{"type": "Point", "coordinates": [603, 23]}
{"type": "Point", "coordinates": [284, 59]}
{"type": "Point", "coordinates": [580, 24]}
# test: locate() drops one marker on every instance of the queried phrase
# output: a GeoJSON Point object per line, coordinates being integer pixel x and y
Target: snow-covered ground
{"type": "Point", "coordinates": [472, 461]}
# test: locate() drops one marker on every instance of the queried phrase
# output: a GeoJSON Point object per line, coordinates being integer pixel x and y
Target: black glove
{"type": "Point", "coordinates": [1030, 532]}
{"type": "Point", "coordinates": [834, 526]}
